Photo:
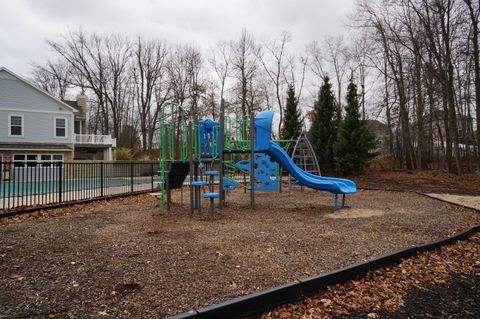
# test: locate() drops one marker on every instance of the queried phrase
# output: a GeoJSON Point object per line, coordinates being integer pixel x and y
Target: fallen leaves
{"type": "Point", "coordinates": [17, 277]}
{"type": "Point", "coordinates": [81, 208]}
{"type": "Point", "coordinates": [385, 289]}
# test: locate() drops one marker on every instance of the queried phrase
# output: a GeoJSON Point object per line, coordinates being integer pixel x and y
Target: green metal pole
{"type": "Point", "coordinates": [190, 161]}
{"type": "Point", "coordinates": [252, 164]}
{"type": "Point", "coordinates": [222, 149]}
{"type": "Point", "coordinates": [162, 159]}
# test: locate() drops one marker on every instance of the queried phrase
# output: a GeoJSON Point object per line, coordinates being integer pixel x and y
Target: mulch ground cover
{"type": "Point", "coordinates": [422, 181]}
{"type": "Point", "coordinates": [440, 284]}
{"type": "Point", "coordinates": [121, 258]}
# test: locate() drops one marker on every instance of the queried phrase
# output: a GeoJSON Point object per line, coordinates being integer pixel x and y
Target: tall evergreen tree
{"type": "Point", "coordinates": [323, 131]}
{"type": "Point", "coordinates": [354, 143]}
{"type": "Point", "coordinates": [292, 122]}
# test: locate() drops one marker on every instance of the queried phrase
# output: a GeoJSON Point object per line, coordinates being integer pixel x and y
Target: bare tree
{"type": "Point", "coordinates": [339, 56]}
{"type": "Point", "coordinates": [119, 85]}
{"type": "Point", "coordinates": [245, 68]}
{"type": "Point", "coordinates": [84, 55]}
{"type": "Point", "coordinates": [149, 70]}
{"type": "Point", "coordinates": [317, 58]}
{"type": "Point", "coordinates": [473, 10]}
{"type": "Point", "coordinates": [274, 64]}
{"type": "Point", "coordinates": [53, 78]}
{"type": "Point", "coordinates": [220, 60]}
{"type": "Point", "coordinates": [359, 64]}
{"type": "Point", "coordinates": [195, 67]}
{"type": "Point", "coordinates": [178, 74]}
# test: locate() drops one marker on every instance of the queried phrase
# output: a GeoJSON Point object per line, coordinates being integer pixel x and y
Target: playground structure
{"type": "Point", "coordinates": [304, 157]}
{"type": "Point", "coordinates": [240, 152]}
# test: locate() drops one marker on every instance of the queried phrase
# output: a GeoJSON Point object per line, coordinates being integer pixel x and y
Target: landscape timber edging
{"type": "Point", "coordinates": [422, 194]}
{"type": "Point", "coordinates": [257, 303]}
{"type": "Point", "coordinates": [448, 201]}
{"type": "Point", "coordinates": [33, 209]}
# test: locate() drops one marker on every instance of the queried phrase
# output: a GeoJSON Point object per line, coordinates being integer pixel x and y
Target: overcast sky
{"type": "Point", "coordinates": [26, 24]}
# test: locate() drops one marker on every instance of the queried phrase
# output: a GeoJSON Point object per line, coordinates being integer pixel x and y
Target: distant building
{"type": "Point", "coordinates": [380, 131]}
{"type": "Point", "coordinates": [466, 132]}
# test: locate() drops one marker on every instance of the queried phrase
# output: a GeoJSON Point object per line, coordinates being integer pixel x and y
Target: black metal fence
{"type": "Point", "coordinates": [25, 184]}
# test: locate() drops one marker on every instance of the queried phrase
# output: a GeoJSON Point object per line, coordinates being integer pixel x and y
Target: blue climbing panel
{"type": "Point", "coordinates": [229, 184]}
{"type": "Point", "coordinates": [266, 172]}
{"type": "Point", "coordinates": [208, 134]}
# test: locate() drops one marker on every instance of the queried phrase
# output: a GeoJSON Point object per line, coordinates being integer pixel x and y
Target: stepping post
{"type": "Point", "coordinates": [211, 207]}
{"type": "Point", "coordinates": [197, 186]}
{"type": "Point", "coordinates": [198, 201]}
{"type": "Point", "coordinates": [343, 200]}
{"type": "Point", "coordinates": [335, 202]}
{"type": "Point", "coordinates": [211, 194]}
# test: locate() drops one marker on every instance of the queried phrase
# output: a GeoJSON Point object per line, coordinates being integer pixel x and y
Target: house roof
{"type": "Point", "coordinates": [376, 125]}
{"type": "Point", "coordinates": [30, 146]}
{"type": "Point", "coordinates": [72, 104]}
{"type": "Point", "coordinates": [74, 110]}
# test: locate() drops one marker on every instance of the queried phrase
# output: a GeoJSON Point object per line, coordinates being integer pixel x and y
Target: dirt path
{"type": "Point", "coordinates": [127, 261]}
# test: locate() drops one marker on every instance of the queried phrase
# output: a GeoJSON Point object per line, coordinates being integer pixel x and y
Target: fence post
{"type": "Point", "coordinates": [102, 176]}
{"type": "Point", "coordinates": [151, 172]}
{"type": "Point", "coordinates": [60, 181]}
{"type": "Point", "coordinates": [131, 177]}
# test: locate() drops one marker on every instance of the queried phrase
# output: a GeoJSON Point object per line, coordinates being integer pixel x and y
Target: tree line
{"type": "Point", "coordinates": [427, 54]}
{"type": "Point", "coordinates": [415, 64]}
{"type": "Point", "coordinates": [343, 144]}
{"type": "Point", "coordinates": [127, 80]}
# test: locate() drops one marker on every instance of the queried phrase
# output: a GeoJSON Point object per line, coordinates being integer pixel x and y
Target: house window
{"type": "Point", "coordinates": [60, 127]}
{"type": "Point", "coordinates": [34, 160]}
{"type": "Point", "coordinates": [76, 129]}
{"type": "Point", "coordinates": [56, 159]}
{"type": "Point", "coordinates": [48, 159]}
{"type": "Point", "coordinates": [16, 125]}
{"type": "Point", "coordinates": [19, 160]}
{"type": "Point", "coordinates": [31, 160]}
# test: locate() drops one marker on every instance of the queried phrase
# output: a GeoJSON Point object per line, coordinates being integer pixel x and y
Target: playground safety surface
{"type": "Point", "coordinates": [120, 258]}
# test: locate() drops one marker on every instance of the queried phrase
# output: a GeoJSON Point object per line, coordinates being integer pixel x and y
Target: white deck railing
{"type": "Point", "coordinates": [95, 139]}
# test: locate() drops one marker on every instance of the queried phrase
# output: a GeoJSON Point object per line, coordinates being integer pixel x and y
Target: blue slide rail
{"type": "Point", "coordinates": [263, 127]}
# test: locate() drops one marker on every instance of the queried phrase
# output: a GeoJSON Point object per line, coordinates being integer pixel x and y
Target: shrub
{"type": "Point", "coordinates": [124, 154]}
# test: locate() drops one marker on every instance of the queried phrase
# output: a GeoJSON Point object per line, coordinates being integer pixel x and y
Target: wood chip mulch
{"type": "Point", "coordinates": [79, 209]}
{"type": "Point", "coordinates": [439, 284]}
{"type": "Point", "coordinates": [121, 258]}
{"type": "Point", "coordinates": [420, 181]}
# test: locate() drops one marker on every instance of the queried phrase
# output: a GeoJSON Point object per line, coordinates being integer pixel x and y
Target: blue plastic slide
{"type": "Point", "coordinates": [263, 126]}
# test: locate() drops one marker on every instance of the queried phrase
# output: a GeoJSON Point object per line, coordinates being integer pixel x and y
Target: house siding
{"type": "Point", "coordinates": [38, 127]}
{"type": "Point", "coordinates": [18, 95]}
{"type": "Point", "coordinates": [38, 109]}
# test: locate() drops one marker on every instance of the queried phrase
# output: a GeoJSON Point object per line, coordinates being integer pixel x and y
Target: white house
{"type": "Point", "coordinates": [37, 129]}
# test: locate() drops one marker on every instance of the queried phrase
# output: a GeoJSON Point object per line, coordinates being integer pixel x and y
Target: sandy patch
{"type": "Point", "coordinates": [470, 201]}
{"type": "Point", "coordinates": [356, 213]}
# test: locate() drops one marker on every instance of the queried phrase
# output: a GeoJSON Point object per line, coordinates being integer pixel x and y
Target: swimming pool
{"type": "Point", "coordinates": [39, 187]}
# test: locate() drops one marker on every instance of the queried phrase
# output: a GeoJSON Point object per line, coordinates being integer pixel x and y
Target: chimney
{"type": "Point", "coordinates": [82, 104]}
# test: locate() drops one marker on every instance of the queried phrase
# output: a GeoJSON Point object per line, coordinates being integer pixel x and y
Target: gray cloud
{"type": "Point", "coordinates": [26, 24]}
